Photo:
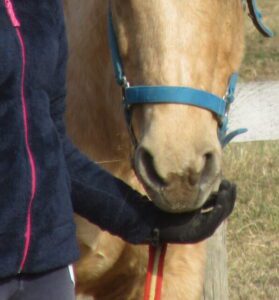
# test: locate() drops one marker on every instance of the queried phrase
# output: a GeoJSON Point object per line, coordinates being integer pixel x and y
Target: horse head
{"type": "Point", "coordinates": [196, 44]}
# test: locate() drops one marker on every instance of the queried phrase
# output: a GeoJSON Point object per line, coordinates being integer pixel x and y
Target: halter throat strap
{"type": "Point", "coordinates": [115, 53]}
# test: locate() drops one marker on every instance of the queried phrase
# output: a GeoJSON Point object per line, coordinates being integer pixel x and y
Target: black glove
{"type": "Point", "coordinates": [198, 225]}
{"type": "Point", "coordinates": [134, 218]}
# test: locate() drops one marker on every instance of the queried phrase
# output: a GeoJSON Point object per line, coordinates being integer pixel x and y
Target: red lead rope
{"type": "Point", "coordinates": [154, 277]}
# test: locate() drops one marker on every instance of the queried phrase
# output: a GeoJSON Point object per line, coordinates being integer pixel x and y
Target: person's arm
{"type": "Point", "coordinates": [96, 194]}
{"type": "Point", "coordinates": [111, 204]}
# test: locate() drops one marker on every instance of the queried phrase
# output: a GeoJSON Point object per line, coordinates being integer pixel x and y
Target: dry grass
{"type": "Point", "coordinates": [253, 241]}
{"type": "Point", "coordinates": [261, 61]}
{"type": "Point", "coordinates": [253, 235]}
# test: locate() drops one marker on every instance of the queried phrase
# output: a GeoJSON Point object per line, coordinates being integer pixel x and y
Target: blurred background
{"type": "Point", "coordinates": [253, 229]}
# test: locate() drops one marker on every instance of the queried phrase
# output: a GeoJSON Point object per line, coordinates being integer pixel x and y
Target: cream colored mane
{"type": "Point", "coordinates": [187, 43]}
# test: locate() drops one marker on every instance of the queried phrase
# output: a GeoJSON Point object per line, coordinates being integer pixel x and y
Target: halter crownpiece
{"type": "Point", "coordinates": [175, 94]}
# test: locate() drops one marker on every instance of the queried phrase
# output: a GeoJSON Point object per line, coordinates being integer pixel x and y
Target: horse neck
{"type": "Point", "coordinates": [94, 111]}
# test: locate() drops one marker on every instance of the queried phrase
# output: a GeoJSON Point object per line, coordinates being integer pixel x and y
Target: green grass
{"type": "Point", "coordinates": [261, 61]}
{"type": "Point", "coordinates": [253, 231]}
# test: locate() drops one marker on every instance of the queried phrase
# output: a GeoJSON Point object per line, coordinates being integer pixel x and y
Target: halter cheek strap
{"type": "Point", "coordinates": [116, 57]}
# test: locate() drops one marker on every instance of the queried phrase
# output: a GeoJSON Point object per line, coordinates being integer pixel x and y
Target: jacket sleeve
{"type": "Point", "coordinates": [97, 195]}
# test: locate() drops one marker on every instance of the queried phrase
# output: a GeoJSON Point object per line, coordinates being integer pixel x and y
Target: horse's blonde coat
{"type": "Point", "coordinates": [187, 43]}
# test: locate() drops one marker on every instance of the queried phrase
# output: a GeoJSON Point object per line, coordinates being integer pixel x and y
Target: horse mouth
{"type": "Point", "coordinates": [176, 187]}
{"type": "Point", "coordinates": [177, 199]}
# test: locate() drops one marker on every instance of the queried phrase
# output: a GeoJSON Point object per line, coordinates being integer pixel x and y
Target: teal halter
{"type": "Point", "coordinates": [175, 94]}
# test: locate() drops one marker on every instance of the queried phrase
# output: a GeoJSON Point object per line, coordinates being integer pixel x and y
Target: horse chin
{"type": "Point", "coordinates": [174, 202]}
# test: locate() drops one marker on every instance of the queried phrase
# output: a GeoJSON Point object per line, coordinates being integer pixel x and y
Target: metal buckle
{"type": "Point", "coordinates": [125, 83]}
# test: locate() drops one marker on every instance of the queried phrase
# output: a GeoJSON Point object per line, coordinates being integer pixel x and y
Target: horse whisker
{"type": "Point", "coordinates": [109, 161]}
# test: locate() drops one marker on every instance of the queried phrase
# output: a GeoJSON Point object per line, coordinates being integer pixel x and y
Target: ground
{"type": "Point", "coordinates": [253, 244]}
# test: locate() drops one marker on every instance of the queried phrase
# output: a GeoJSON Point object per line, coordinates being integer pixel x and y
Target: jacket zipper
{"type": "Point", "coordinates": [28, 229]}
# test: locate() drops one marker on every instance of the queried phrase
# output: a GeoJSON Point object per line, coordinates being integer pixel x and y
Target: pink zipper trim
{"type": "Point", "coordinates": [11, 13]}
{"type": "Point", "coordinates": [28, 230]}
{"type": "Point", "coordinates": [29, 152]}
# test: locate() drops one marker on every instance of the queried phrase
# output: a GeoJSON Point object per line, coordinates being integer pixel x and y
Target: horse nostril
{"type": "Point", "coordinates": [199, 177]}
{"type": "Point", "coordinates": [147, 168]}
{"type": "Point", "coordinates": [208, 157]}
{"type": "Point", "coordinates": [208, 166]}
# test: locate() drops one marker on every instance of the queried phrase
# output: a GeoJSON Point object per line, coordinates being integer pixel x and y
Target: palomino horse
{"type": "Point", "coordinates": [198, 44]}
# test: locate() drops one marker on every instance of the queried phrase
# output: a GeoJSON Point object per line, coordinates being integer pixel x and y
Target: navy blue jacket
{"type": "Point", "coordinates": [43, 177]}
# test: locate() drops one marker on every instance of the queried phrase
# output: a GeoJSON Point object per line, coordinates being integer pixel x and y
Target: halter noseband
{"type": "Point", "coordinates": [174, 94]}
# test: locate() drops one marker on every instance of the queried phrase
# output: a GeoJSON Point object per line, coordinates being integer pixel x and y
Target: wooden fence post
{"type": "Point", "coordinates": [216, 277]}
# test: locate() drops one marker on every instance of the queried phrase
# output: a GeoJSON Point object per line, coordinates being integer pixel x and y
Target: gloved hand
{"type": "Point", "coordinates": [136, 219]}
{"type": "Point", "coordinates": [198, 225]}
